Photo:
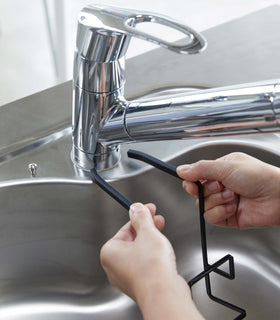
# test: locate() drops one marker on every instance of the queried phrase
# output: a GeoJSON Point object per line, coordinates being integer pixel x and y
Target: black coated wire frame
{"type": "Point", "coordinates": [208, 268]}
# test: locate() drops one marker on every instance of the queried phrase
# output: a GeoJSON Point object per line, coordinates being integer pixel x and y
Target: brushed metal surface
{"type": "Point", "coordinates": [53, 224]}
{"type": "Point", "coordinates": [52, 231]}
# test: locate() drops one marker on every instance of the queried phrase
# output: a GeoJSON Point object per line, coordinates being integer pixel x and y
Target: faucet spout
{"type": "Point", "coordinates": [241, 109]}
{"type": "Point", "coordinates": [248, 108]}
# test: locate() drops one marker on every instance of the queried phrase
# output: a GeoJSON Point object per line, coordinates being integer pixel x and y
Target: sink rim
{"type": "Point", "coordinates": [165, 150]}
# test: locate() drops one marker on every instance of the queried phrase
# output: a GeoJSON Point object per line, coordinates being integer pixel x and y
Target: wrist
{"type": "Point", "coordinates": [158, 283]}
{"type": "Point", "coordinates": [166, 297]}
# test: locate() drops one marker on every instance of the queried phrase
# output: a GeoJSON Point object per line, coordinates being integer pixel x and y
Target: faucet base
{"type": "Point", "coordinates": [105, 158]}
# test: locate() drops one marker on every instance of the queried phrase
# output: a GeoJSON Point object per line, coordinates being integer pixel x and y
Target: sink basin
{"type": "Point", "coordinates": [54, 224]}
{"type": "Point", "coordinates": [52, 230]}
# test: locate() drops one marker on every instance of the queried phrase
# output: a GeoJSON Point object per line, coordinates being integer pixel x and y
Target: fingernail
{"type": "Point", "coordinates": [213, 186]}
{"type": "Point", "coordinates": [184, 168]}
{"type": "Point", "coordinates": [227, 194]}
{"type": "Point", "coordinates": [135, 208]}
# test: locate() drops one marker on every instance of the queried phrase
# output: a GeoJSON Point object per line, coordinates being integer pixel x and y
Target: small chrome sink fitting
{"type": "Point", "coordinates": [103, 119]}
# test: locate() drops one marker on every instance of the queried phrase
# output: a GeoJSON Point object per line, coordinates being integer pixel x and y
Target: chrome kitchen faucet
{"type": "Point", "coordinates": [103, 119]}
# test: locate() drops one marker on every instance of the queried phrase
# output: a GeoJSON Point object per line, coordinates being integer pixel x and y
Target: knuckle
{"type": "Point", "coordinates": [215, 214]}
{"type": "Point", "coordinates": [210, 202]}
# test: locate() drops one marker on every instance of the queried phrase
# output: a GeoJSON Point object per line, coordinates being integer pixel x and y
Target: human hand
{"type": "Point", "coordinates": [240, 191]}
{"type": "Point", "coordinates": [140, 261]}
{"type": "Point", "coordinates": [139, 252]}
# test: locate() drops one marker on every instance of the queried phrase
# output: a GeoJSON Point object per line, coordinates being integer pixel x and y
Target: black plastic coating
{"type": "Point", "coordinates": [109, 189]}
{"type": "Point", "coordinates": [163, 166]}
{"type": "Point", "coordinates": [207, 267]}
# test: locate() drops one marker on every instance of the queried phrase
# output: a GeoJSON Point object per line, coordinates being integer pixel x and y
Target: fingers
{"type": "Point", "coordinates": [212, 187]}
{"type": "Point", "coordinates": [221, 215]}
{"type": "Point", "coordinates": [152, 208]}
{"type": "Point", "coordinates": [127, 232]}
{"type": "Point", "coordinates": [140, 217]}
{"type": "Point", "coordinates": [205, 170]}
{"type": "Point", "coordinates": [209, 187]}
{"type": "Point", "coordinates": [220, 203]}
{"type": "Point", "coordinates": [220, 198]}
{"type": "Point", "coordinates": [220, 208]}
{"type": "Point", "coordinates": [143, 217]}
{"type": "Point", "coordinates": [159, 222]}
{"type": "Point", "coordinates": [190, 187]}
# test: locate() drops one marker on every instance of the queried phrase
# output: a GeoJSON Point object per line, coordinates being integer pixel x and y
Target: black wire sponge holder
{"type": "Point", "coordinates": [207, 268]}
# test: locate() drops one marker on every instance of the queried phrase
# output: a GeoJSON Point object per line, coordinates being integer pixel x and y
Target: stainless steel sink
{"type": "Point", "coordinates": [52, 230]}
{"type": "Point", "coordinates": [53, 225]}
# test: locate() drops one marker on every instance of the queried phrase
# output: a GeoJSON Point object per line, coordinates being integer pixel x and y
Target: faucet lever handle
{"type": "Point", "coordinates": [125, 21]}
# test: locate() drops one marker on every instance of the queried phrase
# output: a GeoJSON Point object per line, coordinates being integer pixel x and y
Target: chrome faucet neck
{"type": "Point", "coordinates": [103, 119]}
{"type": "Point", "coordinates": [103, 37]}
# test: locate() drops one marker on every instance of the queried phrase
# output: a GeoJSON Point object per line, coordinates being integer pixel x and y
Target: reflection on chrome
{"type": "Point", "coordinates": [102, 119]}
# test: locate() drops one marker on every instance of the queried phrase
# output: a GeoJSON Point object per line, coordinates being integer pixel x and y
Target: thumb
{"type": "Point", "coordinates": [140, 217]}
{"type": "Point", "coordinates": [205, 170]}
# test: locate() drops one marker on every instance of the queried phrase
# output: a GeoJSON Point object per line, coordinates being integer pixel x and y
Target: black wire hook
{"type": "Point", "coordinates": [208, 268]}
